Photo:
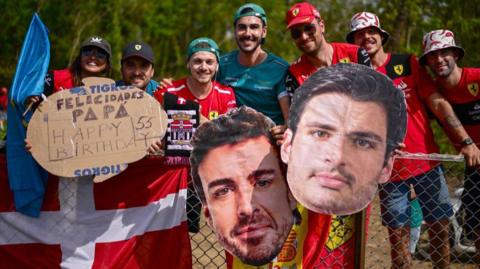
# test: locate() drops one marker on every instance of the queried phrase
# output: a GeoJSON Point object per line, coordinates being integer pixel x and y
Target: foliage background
{"type": "Point", "coordinates": [169, 25]}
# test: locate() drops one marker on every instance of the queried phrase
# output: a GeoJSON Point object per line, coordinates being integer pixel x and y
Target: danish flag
{"type": "Point", "coordinates": [134, 220]}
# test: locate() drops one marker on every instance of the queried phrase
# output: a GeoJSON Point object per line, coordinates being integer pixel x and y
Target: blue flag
{"type": "Point", "coordinates": [27, 179]}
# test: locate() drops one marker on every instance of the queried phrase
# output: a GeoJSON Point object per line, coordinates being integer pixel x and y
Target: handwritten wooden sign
{"type": "Point", "coordinates": [95, 129]}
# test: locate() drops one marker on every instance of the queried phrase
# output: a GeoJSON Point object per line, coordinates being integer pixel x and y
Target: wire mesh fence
{"type": "Point", "coordinates": [451, 242]}
{"type": "Point", "coordinates": [441, 233]}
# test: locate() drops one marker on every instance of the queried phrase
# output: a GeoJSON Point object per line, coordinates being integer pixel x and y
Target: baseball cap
{"type": "Point", "coordinates": [250, 10]}
{"type": "Point", "coordinates": [364, 20]}
{"type": "Point", "coordinates": [300, 13]}
{"type": "Point", "coordinates": [99, 42]}
{"type": "Point", "coordinates": [139, 49]}
{"type": "Point", "coordinates": [203, 44]}
{"type": "Point", "coordinates": [437, 40]}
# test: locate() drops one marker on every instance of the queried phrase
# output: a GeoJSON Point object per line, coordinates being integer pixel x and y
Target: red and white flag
{"type": "Point", "coordinates": [134, 220]}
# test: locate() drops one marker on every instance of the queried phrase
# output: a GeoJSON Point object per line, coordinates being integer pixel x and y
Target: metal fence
{"type": "Point", "coordinates": [207, 253]}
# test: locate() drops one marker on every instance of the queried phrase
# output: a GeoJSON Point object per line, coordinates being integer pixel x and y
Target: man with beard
{"type": "Point", "coordinates": [425, 176]}
{"type": "Point", "coordinates": [137, 67]}
{"type": "Point", "coordinates": [240, 180]}
{"type": "Point", "coordinates": [256, 76]}
{"type": "Point", "coordinates": [460, 86]}
{"type": "Point", "coordinates": [307, 30]}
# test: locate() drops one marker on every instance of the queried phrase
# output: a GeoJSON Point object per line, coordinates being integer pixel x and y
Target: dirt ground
{"type": "Point", "coordinates": [208, 254]}
{"type": "Point", "coordinates": [378, 247]}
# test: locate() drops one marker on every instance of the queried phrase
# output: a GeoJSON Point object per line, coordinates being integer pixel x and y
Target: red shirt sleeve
{"type": "Point", "coordinates": [426, 86]}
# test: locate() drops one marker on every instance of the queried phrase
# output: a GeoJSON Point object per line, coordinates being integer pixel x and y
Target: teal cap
{"type": "Point", "coordinates": [203, 44]}
{"type": "Point", "coordinates": [250, 10]}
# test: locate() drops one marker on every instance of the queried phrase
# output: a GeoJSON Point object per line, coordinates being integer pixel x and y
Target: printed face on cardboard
{"type": "Point", "coordinates": [336, 156]}
{"type": "Point", "coordinates": [247, 199]}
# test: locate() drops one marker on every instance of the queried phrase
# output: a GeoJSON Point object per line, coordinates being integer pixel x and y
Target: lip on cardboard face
{"type": "Point", "coordinates": [331, 180]}
{"type": "Point", "coordinates": [252, 231]}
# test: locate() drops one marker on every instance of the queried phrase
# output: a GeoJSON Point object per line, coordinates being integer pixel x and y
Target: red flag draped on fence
{"type": "Point", "coordinates": [134, 220]}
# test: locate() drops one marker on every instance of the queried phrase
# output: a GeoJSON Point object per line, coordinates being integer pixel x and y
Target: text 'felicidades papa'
{"type": "Point", "coordinates": [82, 100]}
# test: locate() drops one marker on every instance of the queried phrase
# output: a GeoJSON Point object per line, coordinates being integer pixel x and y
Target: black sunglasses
{"type": "Point", "coordinates": [99, 53]}
{"type": "Point", "coordinates": [309, 29]}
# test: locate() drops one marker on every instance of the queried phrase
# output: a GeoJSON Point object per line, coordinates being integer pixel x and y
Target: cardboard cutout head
{"type": "Point", "coordinates": [345, 121]}
{"type": "Point", "coordinates": [240, 179]}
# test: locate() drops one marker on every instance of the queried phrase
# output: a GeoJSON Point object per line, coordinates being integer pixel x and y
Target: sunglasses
{"type": "Point", "coordinates": [99, 54]}
{"type": "Point", "coordinates": [309, 29]}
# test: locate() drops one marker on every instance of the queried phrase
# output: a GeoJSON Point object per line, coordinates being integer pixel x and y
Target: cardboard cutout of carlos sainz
{"type": "Point", "coordinates": [345, 123]}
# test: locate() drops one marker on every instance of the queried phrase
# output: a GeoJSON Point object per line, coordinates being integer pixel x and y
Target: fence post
{"type": "Point", "coordinates": [359, 260]}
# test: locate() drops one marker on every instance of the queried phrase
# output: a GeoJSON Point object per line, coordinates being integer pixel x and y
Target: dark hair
{"type": "Point", "coordinates": [234, 127]}
{"type": "Point", "coordinates": [76, 69]}
{"type": "Point", "coordinates": [361, 83]}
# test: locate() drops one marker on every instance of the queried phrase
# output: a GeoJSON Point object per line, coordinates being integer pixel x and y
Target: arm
{"type": "Point", "coordinates": [165, 83]}
{"type": "Point", "coordinates": [285, 90]}
{"type": "Point", "coordinates": [284, 102]}
{"type": "Point", "coordinates": [291, 84]}
{"type": "Point", "coordinates": [277, 131]}
{"type": "Point", "coordinates": [34, 100]}
{"type": "Point", "coordinates": [444, 112]}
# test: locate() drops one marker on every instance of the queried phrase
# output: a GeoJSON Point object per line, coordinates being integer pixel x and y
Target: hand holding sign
{"type": "Point", "coordinates": [95, 129]}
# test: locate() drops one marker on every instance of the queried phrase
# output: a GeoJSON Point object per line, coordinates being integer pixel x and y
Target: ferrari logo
{"type": "Point", "coordinates": [473, 88]}
{"type": "Point", "coordinates": [398, 69]}
{"type": "Point", "coordinates": [212, 115]}
{"type": "Point", "coordinates": [341, 230]}
{"type": "Point", "coordinates": [295, 12]}
{"type": "Point", "coordinates": [345, 60]}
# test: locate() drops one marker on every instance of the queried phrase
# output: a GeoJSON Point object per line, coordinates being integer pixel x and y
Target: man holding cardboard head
{"type": "Point", "coordinates": [345, 122]}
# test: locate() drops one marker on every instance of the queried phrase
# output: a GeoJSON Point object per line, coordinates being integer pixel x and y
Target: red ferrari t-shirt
{"type": "Point", "coordinates": [301, 69]}
{"type": "Point", "coordinates": [465, 100]}
{"type": "Point", "coordinates": [220, 100]}
{"type": "Point", "coordinates": [413, 80]}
